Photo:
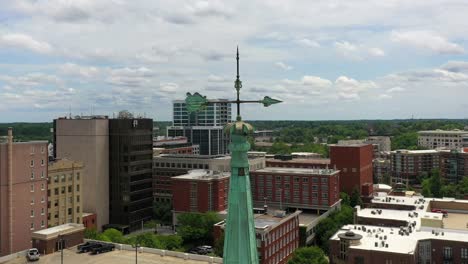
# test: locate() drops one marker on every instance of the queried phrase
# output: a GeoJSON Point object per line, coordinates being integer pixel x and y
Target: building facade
{"type": "Point", "coordinates": [382, 170]}
{"type": "Point", "coordinates": [296, 188]}
{"type": "Point", "coordinates": [454, 165]}
{"type": "Point", "coordinates": [277, 235]}
{"type": "Point", "coordinates": [87, 139]}
{"type": "Point", "coordinates": [299, 163]}
{"type": "Point", "coordinates": [354, 163]}
{"type": "Point", "coordinates": [204, 128]}
{"type": "Point", "coordinates": [167, 166]}
{"type": "Point", "coordinates": [130, 171]}
{"type": "Point", "coordinates": [47, 241]}
{"type": "Point", "coordinates": [434, 139]}
{"type": "Point", "coordinates": [64, 192]}
{"type": "Point", "coordinates": [407, 165]}
{"type": "Point", "coordinates": [23, 193]}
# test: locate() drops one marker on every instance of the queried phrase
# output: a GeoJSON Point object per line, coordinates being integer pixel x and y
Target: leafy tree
{"type": "Point", "coordinates": [326, 228]}
{"type": "Point", "coordinates": [196, 227]}
{"type": "Point", "coordinates": [162, 212]}
{"type": "Point", "coordinates": [219, 246]}
{"type": "Point", "coordinates": [345, 200]}
{"type": "Point", "coordinates": [153, 224]}
{"type": "Point", "coordinates": [355, 198]}
{"type": "Point", "coordinates": [435, 183]}
{"type": "Point", "coordinates": [170, 242]}
{"type": "Point", "coordinates": [308, 255]}
{"type": "Point", "coordinates": [90, 233]}
{"type": "Point", "coordinates": [113, 235]}
{"type": "Point", "coordinates": [449, 190]}
{"type": "Point", "coordinates": [426, 188]}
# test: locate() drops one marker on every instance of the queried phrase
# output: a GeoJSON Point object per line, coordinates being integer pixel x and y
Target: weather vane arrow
{"type": "Point", "coordinates": [197, 102]}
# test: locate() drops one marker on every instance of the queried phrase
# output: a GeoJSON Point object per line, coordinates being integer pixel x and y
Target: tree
{"type": "Point", "coordinates": [90, 233]}
{"type": "Point", "coordinates": [196, 227]}
{"type": "Point", "coordinates": [152, 224]}
{"type": "Point", "coordinates": [170, 242]}
{"type": "Point", "coordinates": [162, 212]}
{"type": "Point", "coordinates": [355, 198]}
{"type": "Point", "coordinates": [113, 235]}
{"type": "Point", "coordinates": [308, 255]}
{"type": "Point", "coordinates": [219, 246]}
{"type": "Point", "coordinates": [345, 200]}
{"type": "Point", "coordinates": [435, 183]}
{"type": "Point", "coordinates": [426, 188]}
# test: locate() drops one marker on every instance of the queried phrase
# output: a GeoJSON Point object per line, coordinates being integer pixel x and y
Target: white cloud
{"type": "Point", "coordinates": [216, 79]}
{"type": "Point", "coordinates": [396, 89]}
{"type": "Point", "coordinates": [376, 52]}
{"type": "Point", "coordinates": [348, 50]}
{"type": "Point", "coordinates": [86, 72]}
{"type": "Point", "coordinates": [170, 88]}
{"type": "Point", "coordinates": [309, 43]}
{"type": "Point", "coordinates": [316, 81]}
{"type": "Point", "coordinates": [283, 66]}
{"type": "Point", "coordinates": [427, 40]}
{"type": "Point", "coordinates": [384, 96]}
{"type": "Point", "coordinates": [24, 41]}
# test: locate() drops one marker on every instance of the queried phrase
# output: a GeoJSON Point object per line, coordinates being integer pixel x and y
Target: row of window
{"type": "Point", "coordinates": [33, 149]}
{"type": "Point", "coordinates": [42, 225]}
{"type": "Point", "coordinates": [42, 162]}
{"type": "Point", "coordinates": [63, 177]}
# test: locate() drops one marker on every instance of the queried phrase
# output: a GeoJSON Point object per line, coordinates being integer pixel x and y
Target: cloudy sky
{"type": "Point", "coordinates": [326, 59]}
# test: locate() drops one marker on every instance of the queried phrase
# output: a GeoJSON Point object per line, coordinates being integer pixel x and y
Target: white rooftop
{"type": "Point", "coordinates": [439, 131]}
{"type": "Point", "coordinates": [397, 243]}
{"type": "Point", "coordinates": [58, 229]}
{"type": "Point", "coordinates": [423, 151]}
{"type": "Point", "coordinates": [298, 171]}
{"type": "Point", "coordinates": [203, 175]}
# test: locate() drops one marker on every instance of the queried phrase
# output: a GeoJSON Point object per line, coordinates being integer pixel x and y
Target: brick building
{"type": "Point", "coordinates": [175, 145]}
{"type": "Point", "coordinates": [296, 188]}
{"type": "Point", "coordinates": [277, 235]}
{"type": "Point", "coordinates": [47, 241]}
{"type": "Point", "coordinates": [454, 165]}
{"type": "Point", "coordinates": [407, 165]}
{"type": "Point", "coordinates": [89, 220]}
{"type": "Point", "coordinates": [200, 191]}
{"type": "Point", "coordinates": [64, 192]}
{"type": "Point", "coordinates": [167, 165]}
{"type": "Point", "coordinates": [354, 163]}
{"type": "Point", "coordinates": [23, 192]}
{"type": "Point", "coordinates": [313, 163]}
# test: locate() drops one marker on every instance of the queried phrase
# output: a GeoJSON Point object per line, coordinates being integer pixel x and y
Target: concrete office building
{"type": "Point", "coordinates": [407, 165]}
{"type": "Point", "coordinates": [130, 172]}
{"type": "Point", "coordinates": [64, 192]}
{"type": "Point", "coordinates": [277, 235]}
{"type": "Point", "coordinates": [443, 139]}
{"type": "Point", "coordinates": [204, 128]}
{"type": "Point", "coordinates": [87, 139]}
{"type": "Point", "coordinates": [355, 165]}
{"type": "Point", "coordinates": [316, 189]}
{"type": "Point", "coordinates": [167, 166]}
{"type": "Point", "coordinates": [23, 193]}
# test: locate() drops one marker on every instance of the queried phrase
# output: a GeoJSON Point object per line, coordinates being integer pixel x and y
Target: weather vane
{"type": "Point", "coordinates": [240, 245]}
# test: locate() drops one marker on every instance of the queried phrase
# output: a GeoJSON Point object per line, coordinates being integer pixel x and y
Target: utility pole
{"type": "Point", "coordinates": [136, 246]}
{"type": "Point", "coordinates": [61, 243]}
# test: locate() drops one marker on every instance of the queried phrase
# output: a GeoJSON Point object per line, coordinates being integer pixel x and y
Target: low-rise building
{"type": "Point", "coordinates": [298, 163]}
{"type": "Point", "coordinates": [63, 192]}
{"type": "Point", "coordinates": [89, 220]}
{"type": "Point", "coordinates": [167, 165]}
{"type": "Point", "coordinates": [407, 165]}
{"type": "Point", "coordinates": [277, 235]}
{"type": "Point", "coordinates": [316, 189]}
{"type": "Point", "coordinates": [200, 191]}
{"type": "Point", "coordinates": [55, 238]}
{"type": "Point", "coordinates": [445, 139]}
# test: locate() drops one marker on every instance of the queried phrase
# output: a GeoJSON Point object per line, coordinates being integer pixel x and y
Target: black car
{"type": "Point", "coordinates": [88, 246]}
{"type": "Point", "coordinates": [102, 248]}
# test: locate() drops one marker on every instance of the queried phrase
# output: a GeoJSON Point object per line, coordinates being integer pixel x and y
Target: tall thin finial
{"type": "Point", "coordinates": [237, 62]}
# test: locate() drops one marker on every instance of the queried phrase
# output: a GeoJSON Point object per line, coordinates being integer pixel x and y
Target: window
{"type": "Point", "coordinates": [32, 163]}
{"type": "Point", "coordinates": [69, 211]}
{"type": "Point", "coordinates": [42, 200]}
{"type": "Point", "coordinates": [62, 177]}
{"type": "Point", "coordinates": [70, 177]}
{"type": "Point", "coordinates": [63, 190]}
{"type": "Point", "coordinates": [56, 191]}
{"type": "Point", "coordinates": [42, 223]}
{"type": "Point", "coordinates": [32, 187]}
{"type": "Point", "coordinates": [77, 198]}
{"type": "Point", "coordinates": [56, 179]}
{"type": "Point", "coordinates": [32, 175]}
{"type": "Point", "coordinates": [32, 213]}
{"type": "Point", "coordinates": [77, 187]}
{"type": "Point", "coordinates": [32, 200]}
{"type": "Point", "coordinates": [464, 253]}
{"type": "Point", "coordinates": [42, 175]}
{"type": "Point", "coordinates": [77, 176]}
{"type": "Point", "coordinates": [42, 186]}
{"type": "Point", "coordinates": [305, 179]}
{"type": "Point", "coordinates": [32, 150]}
{"type": "Point", "coordinates": [69, 188]}
{"type": "Point", "coordinates": [448, 254]}
{"type": "Point", "coordinates": [78, 209]}
{"type": "Point", "coordinates": [42, 162]}
{"type": "Point", "coordinates": [42, 211]}
{"type": "Point", "coordinates": [42, 149]}
{"type": "Point", "coordinates": [32, 226]}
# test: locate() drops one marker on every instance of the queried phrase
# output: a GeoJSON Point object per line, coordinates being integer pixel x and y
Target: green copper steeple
{"type": "Point", "coordinates": [240, 245]}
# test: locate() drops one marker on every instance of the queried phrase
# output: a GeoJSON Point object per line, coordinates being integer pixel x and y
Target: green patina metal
{"type": "Point", "coordinates": [240, 246]}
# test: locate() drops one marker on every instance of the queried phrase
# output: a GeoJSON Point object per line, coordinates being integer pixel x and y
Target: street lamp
{"type": "Point", "coordinates": [61, 243]}
{"type": "Point", "coordinates": [136, 246]}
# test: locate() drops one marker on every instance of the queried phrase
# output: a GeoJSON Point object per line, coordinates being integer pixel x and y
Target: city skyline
{"type": "Point", "coordinates": [326, 61]}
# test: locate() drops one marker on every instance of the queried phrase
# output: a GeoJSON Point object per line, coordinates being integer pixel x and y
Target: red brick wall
{"type": "Point", "coordinates": [90, 221]}
{"type": "Point", "coordinates": [355, 164]}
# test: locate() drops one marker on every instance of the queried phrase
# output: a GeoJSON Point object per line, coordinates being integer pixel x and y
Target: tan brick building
{"type": "Point", "coordinates": [64, 192]}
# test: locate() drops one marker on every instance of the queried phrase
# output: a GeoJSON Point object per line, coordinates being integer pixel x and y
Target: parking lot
{"type": "Point", "coordinates": [114, 257]}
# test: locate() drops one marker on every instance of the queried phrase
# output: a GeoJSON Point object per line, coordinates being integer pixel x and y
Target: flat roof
{"type": "Point", "coordinates": [439, 131]}
{"type": "Point", "coordinates": [423, 151]}
{"type": "Point", "coordinates": [403, 244]}
{"type": "Point", "coordinates": [302, 171]}
{"type": "Point", "coordinates": [203, 175]}
{"type": "Point", "coordinates": [185, 156]}
{"type": "Point", "coordinates": [311, 161]}
{"type": "Point", "coordinates": [52, 232]}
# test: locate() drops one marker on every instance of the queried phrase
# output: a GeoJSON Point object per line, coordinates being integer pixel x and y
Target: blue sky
{"type": "Point", "coordinates": [326, 59]}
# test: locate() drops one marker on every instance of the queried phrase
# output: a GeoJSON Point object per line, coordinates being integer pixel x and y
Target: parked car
{"type": "Point", "coordinates": [444, 212]}
{"type": "Point", "coordinates": [207, 249]}
{"type": "Point", "coordinates": [87, 247]}
{"type": "Point", "coordinates": [102, 248]}
{"type": "Point", "coordinates": [201, 250]}
{"type": "Point", "coordinates": [32, 254]}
